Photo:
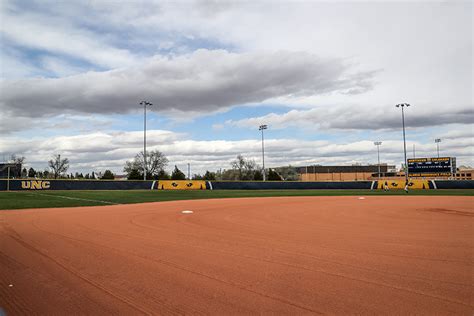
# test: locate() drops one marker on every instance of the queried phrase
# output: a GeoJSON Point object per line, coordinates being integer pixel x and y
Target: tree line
{"type": "Point", "coordinates": [57, 169]}
{"type": "Point", "coordinates": [241, 169]}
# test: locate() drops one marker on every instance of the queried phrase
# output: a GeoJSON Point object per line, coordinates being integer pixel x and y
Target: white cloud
{"type": "Point", "coordinates": [99, 151]}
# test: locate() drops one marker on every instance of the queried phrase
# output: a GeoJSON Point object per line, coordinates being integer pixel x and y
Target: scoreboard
{"type": "Point", "coordinates": [431, 167]}
{"type": "Point", "coordinates": [15, 170]}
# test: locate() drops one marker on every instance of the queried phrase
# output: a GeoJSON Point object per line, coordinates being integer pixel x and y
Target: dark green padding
{"type": "Point", "coordinates": [17, 185]}
{"type": "Point", "coordinates": [286, 185]}
{"type": "Point", "coordinates": [454, 184]}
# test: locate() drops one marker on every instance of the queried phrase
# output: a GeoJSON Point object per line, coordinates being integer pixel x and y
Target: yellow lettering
{"type": "Point", "coordinates": [25, 184]}
{"type": "Point", "coordinates": [46, 185]}
{"type": "Point", "coordinates": [36, 185]}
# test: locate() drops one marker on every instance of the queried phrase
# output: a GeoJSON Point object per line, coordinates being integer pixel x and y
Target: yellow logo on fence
{"type": "Point", "coordinates": [35, 185]}
{"type": "Point", "coordinates": [181, 185]}
{"type": "Point", "coordinates": [400, 184]}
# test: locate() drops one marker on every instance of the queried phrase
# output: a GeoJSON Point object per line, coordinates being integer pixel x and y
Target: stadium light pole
{"type": "Point", "coordinates": [378, 154]}
{"type": "Point", "coordinates": [145, 104]}
{"type": "Point", "coordinates": [402, 105]}
{"type": "Point", "coordinates": [261, 128]}
{"type": "Point", "coordinates": [437, 141]}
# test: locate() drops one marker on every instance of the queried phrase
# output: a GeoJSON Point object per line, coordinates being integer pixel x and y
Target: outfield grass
{"type": "Point", "coordinates": [29, 199]}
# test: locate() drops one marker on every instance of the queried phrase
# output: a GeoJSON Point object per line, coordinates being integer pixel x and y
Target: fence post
{"type": "Point", "coordinates": [8, 179]}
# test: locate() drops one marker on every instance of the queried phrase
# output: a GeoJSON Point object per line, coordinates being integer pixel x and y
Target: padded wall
{"type": "Point", "coordinates": [19, 185]}
{"type": "Point", "coordinates": [454, 184]}
{"type": "Point", "coordinates": [287, 185]}
{"type": "Point", "coordinates": [181, 185]}
{"type": "Point", "coordinates": [400, 184]}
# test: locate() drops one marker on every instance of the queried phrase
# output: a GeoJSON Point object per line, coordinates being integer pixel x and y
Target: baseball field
{"type": "Point", "coordinates": [207, 252]}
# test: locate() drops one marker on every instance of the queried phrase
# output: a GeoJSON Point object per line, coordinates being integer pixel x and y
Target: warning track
{"type": "Point", "coordinates": [287, 255]}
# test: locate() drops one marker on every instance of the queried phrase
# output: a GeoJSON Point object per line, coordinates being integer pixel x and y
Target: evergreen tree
{"type": "Point", "coordinates": [162, 175]}
{"type": "Point", "coordinates": [209, 176]}
{"type": "Point", "coordinates": [273, 176]}
{"type": "Point", "coordinates": [108, 175]}
{"type": "Point", "coordinates": [134, 174]}
{"type": "Point", "coordinates": [258, 175]}
{"type": "Point", "coordinates": [31, 172]}
{"type": "Point", "coordinates": [177, 174]}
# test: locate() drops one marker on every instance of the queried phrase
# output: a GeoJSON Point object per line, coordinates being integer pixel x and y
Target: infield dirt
{"type": "Point", "coordinates": [288, 255]}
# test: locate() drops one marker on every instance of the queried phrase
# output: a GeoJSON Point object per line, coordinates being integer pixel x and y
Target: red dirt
{"type": "Point", "coordinates": [292, 255]}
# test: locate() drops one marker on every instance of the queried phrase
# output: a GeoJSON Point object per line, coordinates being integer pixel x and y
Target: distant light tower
{"type": "Point", "coordinates": [378, 153]}
{"type": "Point", "coordinates": [402, 105]}
{"type": "Point", "coordinates": [144, 103]}
{"type": "Point", "coordinates": [261, 128]}
{"type": "Point", "coordinates": [437, 141]}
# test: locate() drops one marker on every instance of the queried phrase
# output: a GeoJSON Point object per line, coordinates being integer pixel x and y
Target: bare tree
{"type": "Point", "coordinates": [58, 165]}
{"type": "Point", "coordinates": [239, 165]}
{"type": "Point", "coordinates": [156, 161]}
{"type": "Point", "coordinates": [287, 173]}
{"type": "Point", "coordinates": [17, 160]}
{"type": "Point", "coordinates": [245, 168]}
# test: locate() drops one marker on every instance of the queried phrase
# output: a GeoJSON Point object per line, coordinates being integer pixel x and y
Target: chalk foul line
{"type": "Point", "coordinates": [76, 198]}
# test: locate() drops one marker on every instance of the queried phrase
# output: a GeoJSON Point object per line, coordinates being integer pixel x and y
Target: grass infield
{"type": "Point", "coordinates": [46, 199]}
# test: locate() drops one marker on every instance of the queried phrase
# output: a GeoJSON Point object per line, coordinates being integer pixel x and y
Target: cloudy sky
{"type": "Point", "coordinates": [324, 76]}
